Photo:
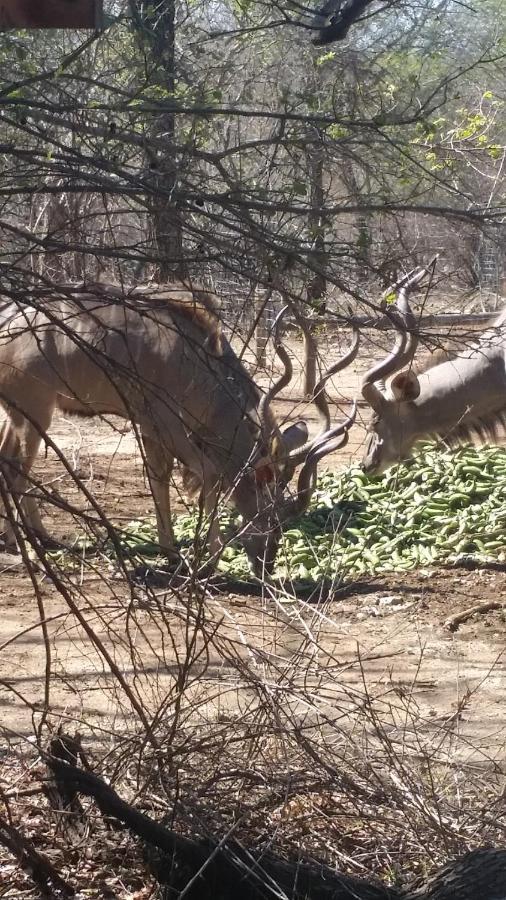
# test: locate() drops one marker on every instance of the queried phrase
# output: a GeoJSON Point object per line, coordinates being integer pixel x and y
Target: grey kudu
{"type": "Point", "coordinates": [158, 357]}
{"type": "Point", "coordinates": [454, 400]}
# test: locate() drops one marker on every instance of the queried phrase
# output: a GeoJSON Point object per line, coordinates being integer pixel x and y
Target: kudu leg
{"type": "Point", "coordinates": [19, 444]}
{"type": "Point", "coordinates": [159, 465]}
{"type": "Point", "coordinates": [10, 456]}
{"type": "Point", "coordinates": [208, 497]}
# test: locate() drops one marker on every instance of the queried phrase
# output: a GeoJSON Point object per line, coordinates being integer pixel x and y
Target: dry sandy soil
{"type": "Point", "coordinates": [386, 635]}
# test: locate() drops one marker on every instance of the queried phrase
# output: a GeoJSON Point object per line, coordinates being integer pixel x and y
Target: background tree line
{"type": "Point", "coordinates": [214, 141]}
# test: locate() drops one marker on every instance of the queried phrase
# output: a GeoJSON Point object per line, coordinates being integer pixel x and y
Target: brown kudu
{"type": "Point", "coordinates": [454, 400]}
{"type": "Point", "coordinates": [157, 356]}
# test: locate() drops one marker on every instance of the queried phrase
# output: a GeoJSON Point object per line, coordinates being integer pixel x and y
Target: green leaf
{"type": "Point", "coordinates": [337, 131]}
{"type": "Point", "coordinates": [325, 57]}
{"type": "Point", "coordinates": [495, 151]}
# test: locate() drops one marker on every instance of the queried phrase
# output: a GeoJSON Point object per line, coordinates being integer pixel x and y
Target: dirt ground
{"type": "Point", "coordinates": [385, 636]}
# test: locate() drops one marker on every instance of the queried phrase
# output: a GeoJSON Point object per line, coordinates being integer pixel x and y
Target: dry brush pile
{"type": "Point", "coordinates": [229, 719]}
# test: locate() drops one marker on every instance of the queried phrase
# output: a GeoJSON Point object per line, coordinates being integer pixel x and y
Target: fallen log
{"type": "Point", "coordinates": [204, 868]}
{"type": "Point", "coordinates": [478, 875]}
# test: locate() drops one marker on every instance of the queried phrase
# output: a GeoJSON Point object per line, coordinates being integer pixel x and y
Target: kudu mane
{"type": "Point", "coordinates": [480, 431]}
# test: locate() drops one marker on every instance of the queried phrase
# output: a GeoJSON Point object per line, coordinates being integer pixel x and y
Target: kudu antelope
{"type": "Point", "coordinates": [158, 357]}
{"type": "Point", "coordinates": [453, 400]}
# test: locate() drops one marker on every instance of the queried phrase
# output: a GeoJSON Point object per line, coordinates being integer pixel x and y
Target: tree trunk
{"type": "Point", "coordinates": [317, 286]}
{"type": "Point", "coordinates": [65, 214]}
{"type": "Point", "coordinates": [363, 223]}
{"type": "Point", "coordinates": [363, 247]}
{"type": "Point", "coordinates": [155, 22]}
{"type": "Point", "coordinates": [310, 362]}
{"type": "Point", "coordinates": [261, 334]}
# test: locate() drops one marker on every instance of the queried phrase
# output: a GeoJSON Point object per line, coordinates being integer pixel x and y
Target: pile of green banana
{"type": "Point", "coordinates": [439, 506]}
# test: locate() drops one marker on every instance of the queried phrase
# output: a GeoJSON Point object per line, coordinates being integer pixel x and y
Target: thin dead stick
{"type": "Point", "coordinates": [453, 622]}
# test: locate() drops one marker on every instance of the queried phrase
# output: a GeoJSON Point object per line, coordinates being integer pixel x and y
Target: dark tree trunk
{"type": "Point", "coordinates": [205, 868]}
{"type": "Point", "coordinates": [362, 250]}
{"type": "Point", "coordinates": [317, 286]}
{"type": "Point", "coordinates": [261, 333]}
{"type": "Point", "coordinates": [156, 29]}
{"type": "Point", "coordinates": [65, 213]}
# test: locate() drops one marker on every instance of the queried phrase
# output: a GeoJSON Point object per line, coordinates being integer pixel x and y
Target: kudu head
{"type": "Point", "coordinates": [392, 429]}
{"type": "Point", "coordinates": [278, 455]}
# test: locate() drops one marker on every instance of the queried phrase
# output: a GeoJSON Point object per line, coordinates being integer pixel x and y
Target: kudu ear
{"type": "Point", "coordinates": [294, 436]}
{"type": "Point", "coordinates": [405, 386]}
